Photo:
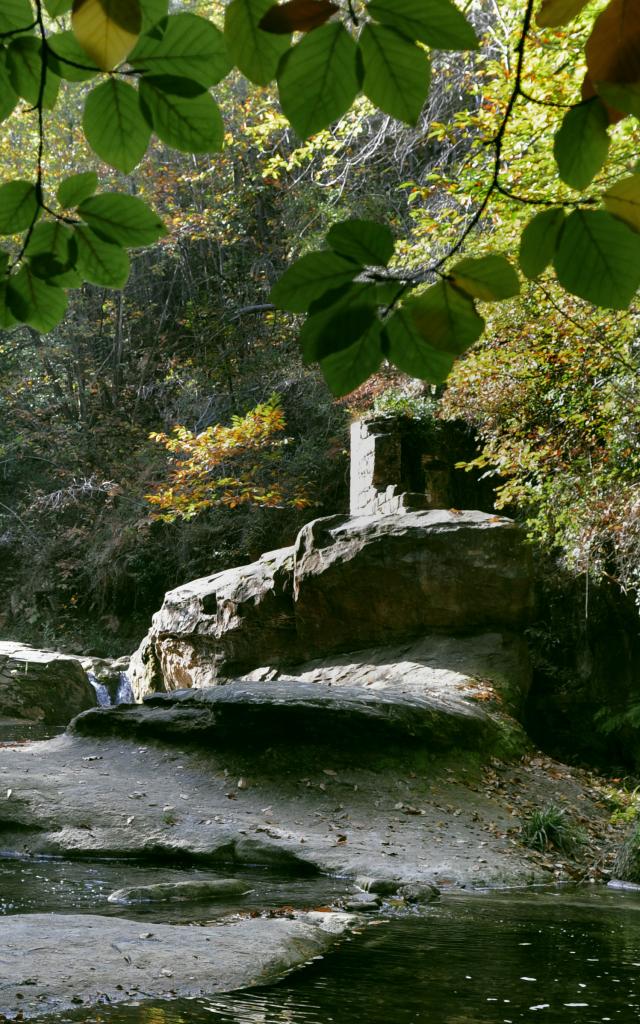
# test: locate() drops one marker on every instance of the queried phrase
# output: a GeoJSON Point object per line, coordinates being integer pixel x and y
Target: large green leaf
{"type": "Point", "coordinates": [623, 200]}
{"type": "Point", "coordinates": [153, 11]}
{"type": "Point", "coordinates": [598, 259]}
{"type": "Point", "coordinates": [58, 7]}
{"type": "Point", "coordinates": [538, 241]}
{"type": "Point", "coordinates": [438, 23]}
{"type": "Point", "coordinates": [114, 125]}
{"type": "Point", "coordinates": [445, 318]}
{"type": "Point", "coordinates": [122, 219]}
{"type": "Point", "coordinates": [15, 14]}
{"type": "Point", "coordinates": [365, 241]}
{"type": "Point", "coordinates": [407, 349]}
{"type": "Point", "coordinates": [18, 206]}
{"type": "Point", "coordinates": [107, 30]}
{"type": "Point", "coordinates": [8, 95]}
{"type": "Point", "coordinates": [68, 59]}
{"type": "Point", "coordinates": [7, 318]}
{"type": "Point", "coordinates": [582, 143]}
{"type": "Point", "coordinates": [397, 72]}
{"type": "Point", "coordinates": [317, 79]}
{"type": "Point", "coordinates": [190, 46]}
{"type": "Point", "coordinates": [52, 254]}
{"type": "Point", "coordinates": [488, 278]}
{"type": "Point", "coordinates": [76, 188]}
{"type": "Point", "coordinates": [337, 319]}
{"type": "Point", "coordinates": [34, 302]}
{"type": "Point", "coordinates": [624, 97]}
{"type": "Point", "coordinates": [256, 53]}
{"type": "Point", "coordinates": [347, 369]}
{"type": "Point", "coordinates": [182, 114]}
{"type": "Point", "coordinates": [100, 261]}
{"type": "Point", "coordinates": [310, 278]}
{"type": "Point", "coordinates": [24, 62]}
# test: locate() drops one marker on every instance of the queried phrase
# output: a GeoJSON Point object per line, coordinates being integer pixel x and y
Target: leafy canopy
{"type": "Point", "coordinates": [142, 71]}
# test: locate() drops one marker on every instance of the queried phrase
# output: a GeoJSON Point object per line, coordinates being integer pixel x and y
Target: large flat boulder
{"type": "Point", "coordinates": [57, 962]}
{"type": "Point", "coordinates": [220, 626]}
{"type": "Point", "coordinates": [374, 580]}
{"type": "Point", "coordinates": [41, 687]}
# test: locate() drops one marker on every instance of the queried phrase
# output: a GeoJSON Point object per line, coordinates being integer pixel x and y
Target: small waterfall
{"type": "Point", "coordinates": [102, 693]}
{"type": "Point", "coordinates": [124, 693]}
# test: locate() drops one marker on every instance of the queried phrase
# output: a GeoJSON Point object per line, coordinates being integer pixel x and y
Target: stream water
{"type": "Point", "coordinates": [556, 956]}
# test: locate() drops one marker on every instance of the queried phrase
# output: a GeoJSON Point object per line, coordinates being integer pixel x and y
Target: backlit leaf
{"type": "Point", "coordinates": [310, 277]}
{"type": "Point", "coordinates": [68, 59]}
{"type": "Point", "coordinates": [582, 143]}
{"type": "Point", "coordinates": [336, 320]}
{"type": "Point", "coordinates": [114, 125]}
{"type": "Point", "coordinates": [347, 369]}
{"type": "Point", "coordinates": [18, 206]}
{"type": "Point", "coordinates": [122, 219]}
{"type": "Point", "coordinates": [182, 114]}
{"type": "Point", "coordinates": [613, 48]}
{"type": "Point", "coordinates": [8, 95]}
{"type": "Point", "coordinates": [190, 47]}
{"type": "Point", "coordinates": [410, 352]}
{"type": "Point", "coordinates": [623, 200]}
{"type": "Point", "coordinates": [397, 72]}
{"type": "Point", "coordinates": [257, 53]}
{"type": "Point", "coordinates": [437, 23]}
{"type": "Point", "coordinates": [35, 302]}
{"type": "Point", "coordinates": [107, 30]}
{"type": "Point", "coordinates": [598, 259]}
{"type": "Point", "coordinates": [488, 278]}
{"type": "Point", "coordinates": [297, 16]}
{"type": "Point", "coordinates": [625, 97]}
{"type": "Point", "coordinates": [317, 79]}
{"type": "Point", "coordinates": [100, 261]}
{"type": "Point", "coordinates": [365, 241]}
{"type": "Point", "coordinates": [24, 63]}
{"type": "Point", "coordinates": [76, 188]}
{"type": "Point", "coordinates": [538, 241]}
{"type": "Point", "coordinates": [57, 7]}
{"type": "Point", "coordinates": [559, 12]}
{"type": "Point", "coordinates": [15, 14]}
{"type": "Point", "coordinates": [446, 319]}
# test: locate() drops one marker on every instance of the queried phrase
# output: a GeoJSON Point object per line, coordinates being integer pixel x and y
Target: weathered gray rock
{"type": "Point", "coordinates": [256, 714]}
{"type": "Point", "coordinates": [167, 892]}
{"type": "Point", "coordinates": [41, 687]}
{"type": "Point", "coordinates": [626, 867]}
{"type": "Point", "coordinates": [368, 581]}
{"type": "Point", "coordinates": [55, 962]}
{"type": "Point", "coordinates": [220, 626]}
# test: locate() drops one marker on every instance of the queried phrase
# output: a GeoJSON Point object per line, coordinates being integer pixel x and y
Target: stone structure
{"type": "Point", "coordinates": [395, 469]}
{"type": "Point", "coordinates": [41, 687]}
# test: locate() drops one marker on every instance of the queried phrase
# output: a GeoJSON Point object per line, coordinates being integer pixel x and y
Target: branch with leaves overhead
{"type": "Point", "coordinates": [154, 73]}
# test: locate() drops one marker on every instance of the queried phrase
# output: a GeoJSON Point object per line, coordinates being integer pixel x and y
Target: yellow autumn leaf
{"type": "Point", "coordinates": [559, 12]}
{"type": "Point", "coordinates": [107, 30]}
{"type": "Point", "coordinates": [623, 200]}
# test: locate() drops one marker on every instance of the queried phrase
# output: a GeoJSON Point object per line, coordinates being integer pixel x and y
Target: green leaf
{"type": "Point", "coordinates": [538, 241]}
{"type": "Point", "coordinates": [153, 11]}
{"type": "Point", "coordinates": [310, 278]}
{"type": "Point", "coordinates": [488, 278]}
{"type": "Point", "coordinates": [52, 254]}
{"type": "Point", "coordinates": [336, 320]}
{"type": "Point", "coordinates": [346, 370]}
{"type": "Point", "coordinates": [34, 302]}
{"type": "Point", "coordinates": [107, 29]}
{"type": "Point", "coordinates": [407, 349]}
{"type": "Point", "coordinates": [8, 95]}
{"type": "Point", "coordinates": [365, 241]}
{"type": "Point", "coordinates": [256, 53]}
{"type": "Point", "coordinates": [582, 143]}
{"type": "Point", "coordinates": [122, 219]}
{"type": "Point", "coordinates": [437, 23]}
{"type": "Point", "coordinates": [18, 206]}
{"type": "Point", "coordinates": [317, 79]}
{"type": "Point", "coordinates": [100, 261]}
{"type": "Point", "coordinates": [114, 125]}
{"type": "Point", "coordinates": [190, 123]}
{"type": "Point", "coordinates": [190, 47]}
{"type": "Point", "coordinates": [397, 72]}
{"type": "Point", "coordinates": [15, 14]}
{"type": "Point", "coordinates": [76, 188]}
{"type": "Point", "coordinates": [623, 200]}
{"type": "Point", "coordinates": [7, 319]}
{"type": "Point", "coordinates": [68, 59]}
{"type": "Point", "coordinates": [58, 7]}
{"type": "Point", "coordinates": [446, 319]}
{"type": "Point", "coordinates": [598, 259]}
{"type": "Point", "coordinates": [24, 61]}
{"type": "Point", "coordinates": [621, 97]}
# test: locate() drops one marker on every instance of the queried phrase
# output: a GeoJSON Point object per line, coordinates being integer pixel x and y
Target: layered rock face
{"type": "Point", "coordinates": [41, 687]}
{"type": "Point", "coordinates": [347, 584]}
